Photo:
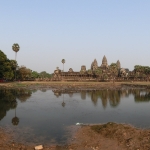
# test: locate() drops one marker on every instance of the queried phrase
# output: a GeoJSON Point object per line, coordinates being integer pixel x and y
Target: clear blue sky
{"type": "Point", "coordinates": [77, 30]}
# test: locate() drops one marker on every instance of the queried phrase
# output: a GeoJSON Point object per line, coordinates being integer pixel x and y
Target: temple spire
{"type": "Point", "coordinates": [104, 62]}
{"type": "Point", "coordinates": [118, 64]}
{"type": "Point", "coordinates": [94, 65]}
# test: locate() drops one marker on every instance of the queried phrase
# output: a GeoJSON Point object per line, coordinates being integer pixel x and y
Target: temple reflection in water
{"type": "Point", "coordinates": [113, 97]}
{"type": "Point", "coordinates": [9, 98]}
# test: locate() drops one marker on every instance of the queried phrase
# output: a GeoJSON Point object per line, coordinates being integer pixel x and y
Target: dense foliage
{"type": "Point", "coordinates": [23, 73]}
{"type": "Point", "coordinates": [8, 68]}
{"type": "Point", "coordinates": [142, 69]}
{"type": "Point", "coordinates": [98, 72]}
{"type": "Point", "coordinates": [113, 69]}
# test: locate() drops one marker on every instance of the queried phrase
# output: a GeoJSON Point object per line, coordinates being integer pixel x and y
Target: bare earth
{"type": "Point", "coordinates": [74, 85]}
{"type": "Point", "coordinates": [110, 136]}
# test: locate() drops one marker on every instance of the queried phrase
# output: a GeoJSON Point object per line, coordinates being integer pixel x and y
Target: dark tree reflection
{"type": "Point", "coordinates": [57, 93]}
{"type": "Point", "coordinates": [63, 103]}
{"type": "Point", "coordinates": [8, 100]}
{"type": "Point", "coordinates": [15, 120]}
{"type": "Point", "coordinates": [142, 95]}
{"type": "Point", "coordinates": [23, 94]}
{"type": "Point", "coordinates": [43, 90]}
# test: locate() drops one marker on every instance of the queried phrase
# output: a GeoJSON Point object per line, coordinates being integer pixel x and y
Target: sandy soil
{"type": "Point", "coordinates": [110, 136]}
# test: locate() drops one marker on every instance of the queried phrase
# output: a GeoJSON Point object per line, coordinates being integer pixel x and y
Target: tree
{"type": "Point", "coordinates": [14, 65]}
{"type": "Point", "coordinates": [89, 72]}
{"type": "Point", "coordinates": [6, 67]}
{"type": "Point", "coordinates": [23, 73]}
{"type": "Point", "coordinates": [114, 70]}
{"type": "Point", "coordinates": [44, 74]}
{"type": "Point", "coordinates": [34, 74]}
{"type": "Point", "coordinates": [142, 69]}
{"type": "Point", "coordinates": [15, 48]}
{"type": "Point", "coordinates": [63, 61]}
{"type": "Point", "coordinates": [3, 59]}
{"type": "Point", "coordinates": [98, 72]}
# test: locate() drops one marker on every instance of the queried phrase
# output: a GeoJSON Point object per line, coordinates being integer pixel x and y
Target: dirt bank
{"type": "Point", "coordinates": [110, 136]}
{"type": "Point", "coordinates": [75, 85]}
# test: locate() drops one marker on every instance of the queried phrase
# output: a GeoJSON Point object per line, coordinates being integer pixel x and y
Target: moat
{"type": "Point", "coordinates": [45, 115]}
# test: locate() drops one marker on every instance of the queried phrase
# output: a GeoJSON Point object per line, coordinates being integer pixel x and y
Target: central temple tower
{"type": "Point", "coordinates": [104, 62]}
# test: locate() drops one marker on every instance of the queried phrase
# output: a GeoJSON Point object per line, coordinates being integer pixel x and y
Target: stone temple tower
{"type": "Point", "coordinates": [94, 65]}
{"type": "Point", "coordinates": [118, 64]}
{"type": "Point", "coordinates": [104, 62]}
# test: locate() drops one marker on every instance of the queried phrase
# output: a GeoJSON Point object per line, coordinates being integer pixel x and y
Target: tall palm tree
{"type": "Point", "coordinates": [63, 61]}
{"type": "Point", "coordinates": [15, 48]}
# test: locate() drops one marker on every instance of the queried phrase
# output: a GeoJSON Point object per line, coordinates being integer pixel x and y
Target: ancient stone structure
{"type": "Point", "coordinates": [83, 68]}
{"type": "Point", "coordinates": [118, 64]}
{"type": "Point", "coordinates": [104, 64]}
{"type": "Point", "coordinates": [123, 72]}
{"type": "Point", "coordinates": [94, 65]}
{"type": "Point", "coordinates": [70, 70]}
{"type": "Point", "coordinates": [104, 72]}
{"type": "Point", "coordinates": [57, 74]}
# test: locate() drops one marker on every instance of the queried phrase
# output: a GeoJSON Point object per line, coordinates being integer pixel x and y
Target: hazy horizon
{"type": "Point", "coordinates": [77, 31]}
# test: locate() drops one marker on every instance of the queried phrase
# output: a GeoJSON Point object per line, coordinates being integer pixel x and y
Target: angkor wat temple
{"type": "Point", "coordinates": [104, 72]}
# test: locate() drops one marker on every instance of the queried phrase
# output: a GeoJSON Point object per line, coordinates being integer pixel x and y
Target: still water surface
{"type": "Point", "coordinates": [42, 116]}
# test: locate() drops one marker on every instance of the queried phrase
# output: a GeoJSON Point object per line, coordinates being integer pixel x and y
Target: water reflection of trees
{"type": "Point", "coordinates": [23, 94]}
{"type": "Point", "coordinates": [15, 120]}
{"type": "Point", "coordinates": [43, 89]}
{"type": "Point", "coordinates": [113, 97]}
{"type": "Point", "coordinates": [142, 95]}
{"type": "Point", "coordinates": [8, 100]}
{"type": "Point", "coordinates": [59, 93]}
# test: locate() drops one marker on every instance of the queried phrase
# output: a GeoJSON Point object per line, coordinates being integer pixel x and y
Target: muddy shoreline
{"type": "Point", "coordinates": [107, 136]}
{"type": "Point", "coordinates": [91, 137]}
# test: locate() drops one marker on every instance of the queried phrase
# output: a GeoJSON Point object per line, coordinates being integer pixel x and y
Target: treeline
{"type": "Point", "coordinates": [10, 70]}
{"type": "Point", "coordinates": [142, 69]}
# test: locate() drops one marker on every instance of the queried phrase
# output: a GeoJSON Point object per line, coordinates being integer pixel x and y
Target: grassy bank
{"type": "Point", "coordinates": [82, 84]}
